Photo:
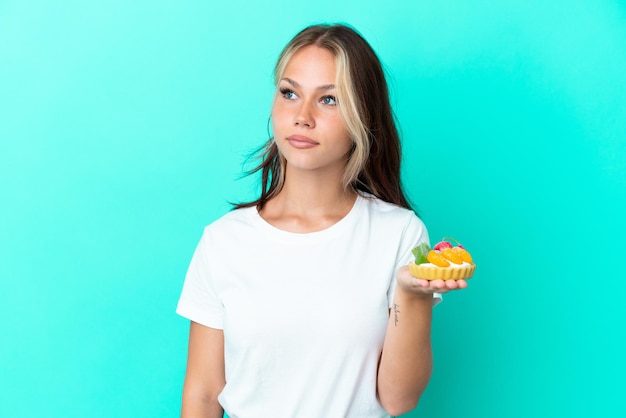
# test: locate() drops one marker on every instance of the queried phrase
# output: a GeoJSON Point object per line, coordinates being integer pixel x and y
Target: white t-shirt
{"type": "Point", "coordinates": [304, 315]}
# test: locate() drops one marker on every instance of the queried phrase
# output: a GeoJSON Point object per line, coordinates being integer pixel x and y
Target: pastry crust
{"type": "Point", "coordinates": [431, 272]}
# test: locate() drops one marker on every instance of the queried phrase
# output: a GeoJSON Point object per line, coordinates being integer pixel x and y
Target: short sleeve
{"type": "Point", "coordinates": [414, 234]}
{"type": "Point", "coordinates": [199, 301]}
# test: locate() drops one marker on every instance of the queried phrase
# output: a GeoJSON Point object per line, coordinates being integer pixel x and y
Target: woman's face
{"type": "Point", "coordinates": [308, 128]}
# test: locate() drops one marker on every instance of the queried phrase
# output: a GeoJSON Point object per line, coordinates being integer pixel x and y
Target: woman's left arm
{"type": "Point", "coordinates": [406, 362]}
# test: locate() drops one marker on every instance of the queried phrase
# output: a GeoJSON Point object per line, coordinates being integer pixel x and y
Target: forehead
{"type": "Point", "coordinates": [311, 65]}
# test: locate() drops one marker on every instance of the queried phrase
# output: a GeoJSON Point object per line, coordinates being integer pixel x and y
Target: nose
{"type": "Point", "coordinates": [304, 115]}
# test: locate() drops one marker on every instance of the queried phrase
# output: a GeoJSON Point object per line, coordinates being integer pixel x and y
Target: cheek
{"type": "Point", "coordinates": [348, 143]}
{"type": "Point", "coordinates": [275, 125]}
{"type": "Point", "coordinates": [278, 117]}
{"type": "Point", "coordinates": [342, 131]}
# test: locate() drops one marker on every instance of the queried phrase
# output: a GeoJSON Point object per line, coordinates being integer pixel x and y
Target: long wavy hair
{"type": "Point", "coordinates": [373, 165]}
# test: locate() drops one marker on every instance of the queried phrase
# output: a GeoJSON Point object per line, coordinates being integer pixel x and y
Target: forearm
{"type": "Point", "coordinates": [204, 379]}
{"type": "Point", "coordinates": [195, 406]}
{"type": "Point", "coordinates": [406, 361]}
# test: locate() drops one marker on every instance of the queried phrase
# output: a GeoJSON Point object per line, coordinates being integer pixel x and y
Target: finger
{"type": "Point", "coordinates": [452, 284]}
{"type": "Point", "coordinates": [456, 284]}
{"type": "Point", "coordinates": [438, 284]}
{"type": "Point", "coordinates": [423, 282]}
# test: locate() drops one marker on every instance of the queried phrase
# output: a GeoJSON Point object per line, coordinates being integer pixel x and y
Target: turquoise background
{"type": "Point", "coordinates": [123, 131]}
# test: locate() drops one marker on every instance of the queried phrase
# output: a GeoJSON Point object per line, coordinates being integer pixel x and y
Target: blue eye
{"type": "Point", "coordinates": [329, 100]}
{"type": "Point", "coordinates": [287, 93]}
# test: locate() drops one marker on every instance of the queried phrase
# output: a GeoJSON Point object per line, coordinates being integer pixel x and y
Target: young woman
{"type": "Point", "coordinates": [301, 304]}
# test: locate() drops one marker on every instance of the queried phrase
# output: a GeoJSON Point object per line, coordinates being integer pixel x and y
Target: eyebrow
{"type": "Point", "coordinates": [323, 87]}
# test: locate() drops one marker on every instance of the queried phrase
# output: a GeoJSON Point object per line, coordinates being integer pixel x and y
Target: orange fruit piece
{"type": "Point", "coordinates": [465, 255]}
{"type": "Point", "coordinates": [452, 256]}
{"type": "Point", "coordinates": [437, 259]}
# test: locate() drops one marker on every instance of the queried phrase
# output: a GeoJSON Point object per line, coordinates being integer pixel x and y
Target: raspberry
{"type": "Point", "coordinates": [442, 245]}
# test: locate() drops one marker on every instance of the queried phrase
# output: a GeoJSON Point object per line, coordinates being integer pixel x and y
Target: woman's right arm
{"type": "Point", "coordinates": [205, 378]}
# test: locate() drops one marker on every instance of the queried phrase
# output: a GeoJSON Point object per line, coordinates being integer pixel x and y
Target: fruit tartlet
{"type": "Point", "coordinates": [444, 261]}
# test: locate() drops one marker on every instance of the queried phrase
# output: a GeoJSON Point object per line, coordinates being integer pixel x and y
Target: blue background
{"type": "Point", "coordinates": [124, 127]}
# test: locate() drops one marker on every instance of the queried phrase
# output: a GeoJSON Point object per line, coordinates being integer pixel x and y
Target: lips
{"type": "Point", "coordinates": [301, 142]}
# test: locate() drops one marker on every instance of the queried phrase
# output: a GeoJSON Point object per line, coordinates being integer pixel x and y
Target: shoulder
{"type": "Point", "coordinates": [233, 223]}
{"type": "Point", "coordinates": [233, 218]}
{"type": "Point", "coordinates": [388, 211]}
{"type": "Point", "coordinates": [393, 218]}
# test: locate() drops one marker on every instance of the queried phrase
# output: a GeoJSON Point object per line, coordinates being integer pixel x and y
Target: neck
{"type": "Point", "coordinates": [308, 202]}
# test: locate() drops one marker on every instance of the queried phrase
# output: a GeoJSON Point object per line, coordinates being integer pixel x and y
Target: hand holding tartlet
{"type": "Point", "coordinates": [443, 262]}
